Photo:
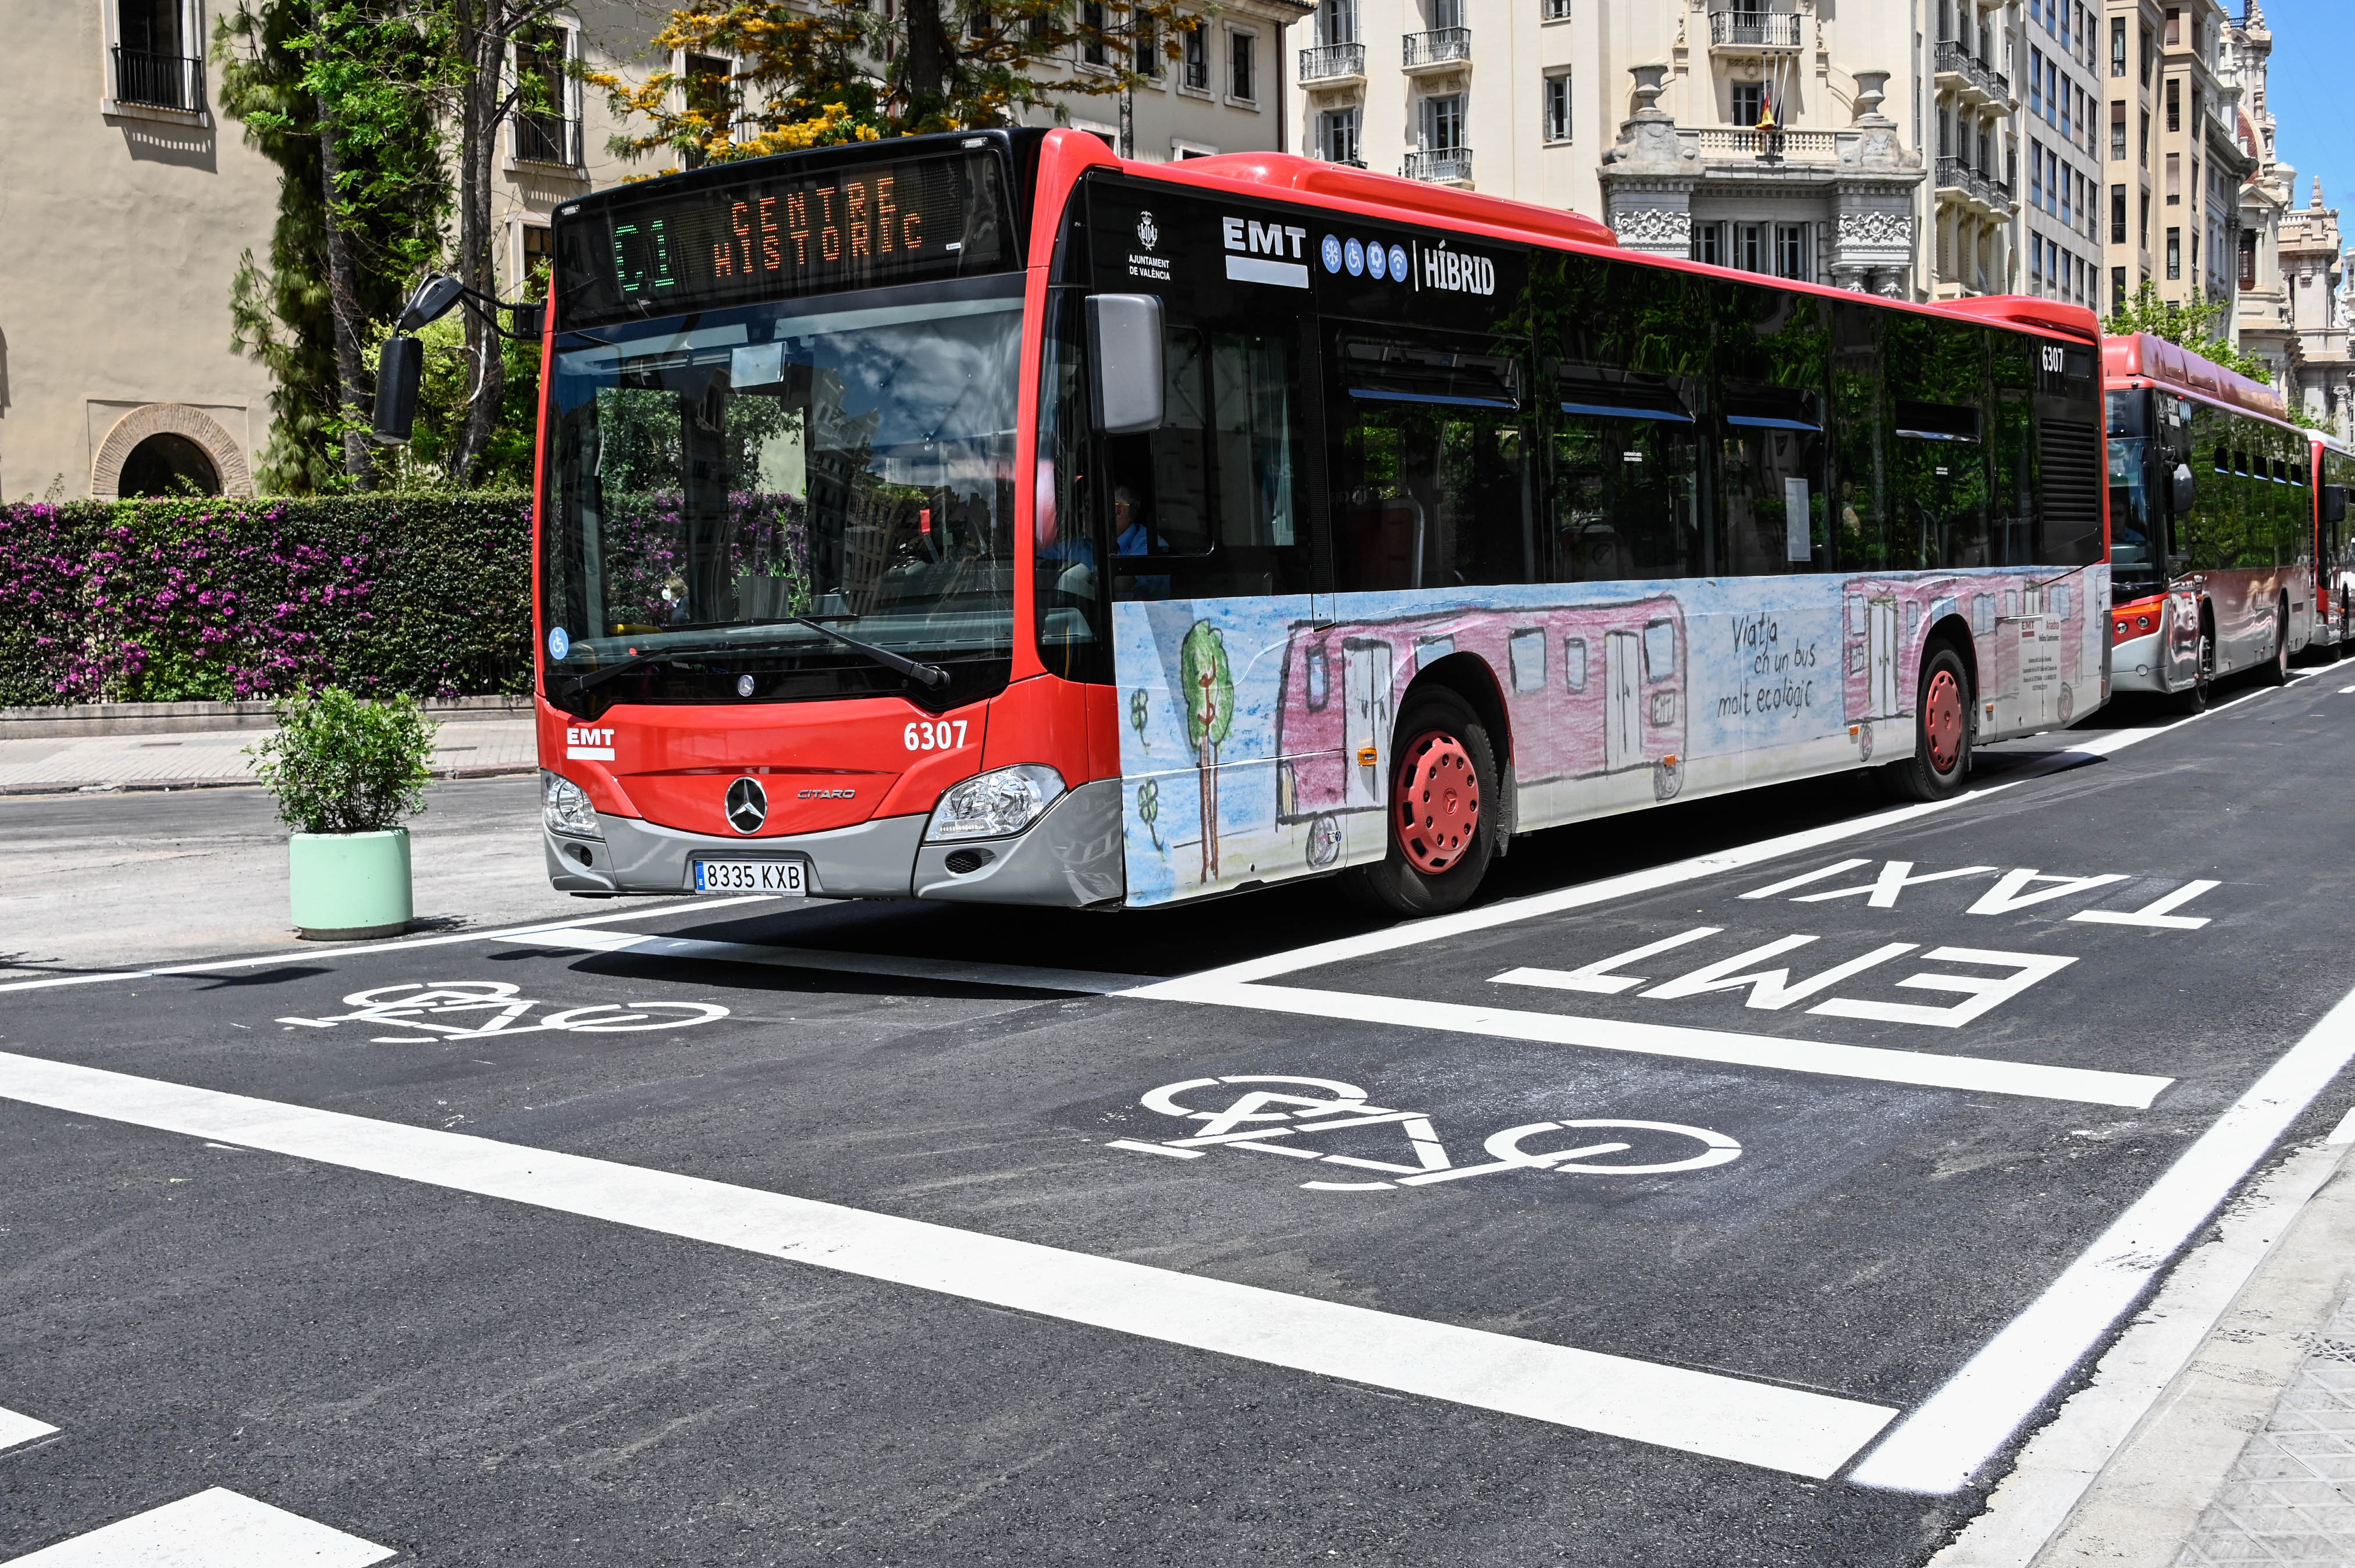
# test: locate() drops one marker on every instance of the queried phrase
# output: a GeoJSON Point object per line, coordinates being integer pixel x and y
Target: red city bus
{"type": "Point", "coordinates": [979, 517]}
{"type": "Point", "coordinates": [2213, 512]}
{"type": "Point", "coordinates": [2334, 551]}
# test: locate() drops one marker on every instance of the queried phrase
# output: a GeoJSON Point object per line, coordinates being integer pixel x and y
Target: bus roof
{"type": "Point", "coordinates": [2142, 357]}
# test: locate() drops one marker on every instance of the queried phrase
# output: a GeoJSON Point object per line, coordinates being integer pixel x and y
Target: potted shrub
{"type": "Point", "coordinates": [346, 770]}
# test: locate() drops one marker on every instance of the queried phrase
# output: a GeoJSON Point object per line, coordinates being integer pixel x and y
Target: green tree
{"type": "Point", "coordinates": [829, 71]}
{"type": "Point", "coordinates": [362, 192]}
{"type": "Point", "coordinates": [2188, 324]}
{"type": "Point", "coordinates": [1209, 692]}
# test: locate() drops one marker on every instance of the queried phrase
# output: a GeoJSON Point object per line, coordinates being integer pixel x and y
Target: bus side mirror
{"type": "Point", "coordinates": [398, 369]}
{"type": "Point", "coordinates": [1125, 362]}
{"type": "Point", "coordinates": [2184, 491]}
{"type": "Point", "coordinates": [2334, 504]}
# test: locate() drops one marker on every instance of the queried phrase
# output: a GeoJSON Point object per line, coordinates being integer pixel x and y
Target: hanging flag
{"type": "Point", "coordinates": [1766, 110]}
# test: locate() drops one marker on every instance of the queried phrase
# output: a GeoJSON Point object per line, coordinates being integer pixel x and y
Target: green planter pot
{"type": "Point", "coordinates": [347, 886]}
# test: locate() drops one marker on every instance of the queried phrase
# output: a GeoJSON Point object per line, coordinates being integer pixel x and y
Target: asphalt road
{"type": "Point", "coordinates": [1738, 1183]}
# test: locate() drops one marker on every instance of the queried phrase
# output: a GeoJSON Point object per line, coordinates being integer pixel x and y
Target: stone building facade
{"type": "Point", "coordinates": [2176, 164]}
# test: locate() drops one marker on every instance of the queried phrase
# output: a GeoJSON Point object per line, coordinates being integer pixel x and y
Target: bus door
{"type": "Point", "coordinates": [1883, 646]}
{"type": "Point", "coordinates": [1623, 714]}
{"type": "Point", "coordinates": [1366, 679]}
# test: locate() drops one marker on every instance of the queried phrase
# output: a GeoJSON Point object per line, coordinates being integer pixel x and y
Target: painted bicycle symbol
{"type": "Point", "coordinates": [1274, 1113]}
{"type": "Point", "coordinates": [473, 1010]}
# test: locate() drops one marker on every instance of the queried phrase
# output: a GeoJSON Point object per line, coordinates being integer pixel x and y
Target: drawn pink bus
{"type": "Point", "coordinates": [1588, 690]}
{"type": "Point", "coordinates": [2027, 634]}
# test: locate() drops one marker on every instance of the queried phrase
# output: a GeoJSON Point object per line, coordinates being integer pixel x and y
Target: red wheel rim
{"type": "Point", "coordinates": [1942, 718]}
{"type": "Point", "coordinates": [1438, 802]}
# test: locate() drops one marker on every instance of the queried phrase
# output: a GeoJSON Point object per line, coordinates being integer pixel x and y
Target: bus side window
{"type": "Point", "coordinates": [1430, 468]}
{"type": "Point", "coordinates": [1210, 506]}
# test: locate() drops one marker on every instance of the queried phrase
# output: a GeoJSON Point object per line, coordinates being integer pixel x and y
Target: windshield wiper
{"type": "Point", "coordinates": [932, 675]}
{"type": "Point", "coordinates": [597, 677]}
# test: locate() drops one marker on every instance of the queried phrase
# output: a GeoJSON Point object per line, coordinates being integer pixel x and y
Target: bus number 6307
{"type": "Point", "coordinates": [926, 734]}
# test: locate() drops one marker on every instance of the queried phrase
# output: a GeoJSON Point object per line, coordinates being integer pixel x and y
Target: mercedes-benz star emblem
{"type": "Point", "coordinates": [747, 805]}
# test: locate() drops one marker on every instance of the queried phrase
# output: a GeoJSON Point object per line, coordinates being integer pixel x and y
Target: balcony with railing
{"type": "Point", "coordinates": [1439, 165]}
{"type": "Point", "coordinates": [1442, 48]}
{"type": "Point", "coordinates": [1979, 188]}
{"type": "Point", "coordinates": [159, 82]}
{"type": "Point", "coordinates": [1751, 31]}
{"type": "Point", "coordinates": [547, 139]}
{"type": "Point", "coordinates": [1333, 65]}
{"type": "Point", "coordinates": [1768, 147]}
{"type": "Point", "coordinates": [1971, 78]}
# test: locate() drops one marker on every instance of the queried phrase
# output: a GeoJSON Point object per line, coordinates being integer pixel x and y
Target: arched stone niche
{"type": "Point", "coordinates": [173, 418]}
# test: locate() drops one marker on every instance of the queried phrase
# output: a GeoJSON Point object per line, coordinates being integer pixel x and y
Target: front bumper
{"type": "Point", "coordinates": [2139, 664]}
{"type": "Point", "coordinates": [1070, 858]}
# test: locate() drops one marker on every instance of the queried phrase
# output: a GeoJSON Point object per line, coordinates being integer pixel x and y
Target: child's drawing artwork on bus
{"type": "Point", "coordinates": [1260, 732]}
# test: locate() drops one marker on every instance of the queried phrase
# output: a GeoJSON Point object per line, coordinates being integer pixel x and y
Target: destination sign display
{"type": "Point", "coordinates": [779, 232]}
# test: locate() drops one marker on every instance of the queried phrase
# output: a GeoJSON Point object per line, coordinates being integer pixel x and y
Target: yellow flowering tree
{"type": "Point", "coordinates": [762, 77]}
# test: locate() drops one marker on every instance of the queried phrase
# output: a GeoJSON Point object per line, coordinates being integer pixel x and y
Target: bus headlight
{"type": "Point", "coordinates": [564, 806]}
{"type": "Point", "coordinates": [995, 804]}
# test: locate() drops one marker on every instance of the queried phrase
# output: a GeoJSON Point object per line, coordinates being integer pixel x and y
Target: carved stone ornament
{"type": "Point", "coordinates": [1876, 229]}
{"type": "Point", "coordinates": [1653, 226]}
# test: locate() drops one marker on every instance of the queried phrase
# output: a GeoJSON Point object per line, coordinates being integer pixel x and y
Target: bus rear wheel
{"type": "Point", "coordinates": [1941, 761]}
{"type": "Point", "coordinates": [1442, 814]}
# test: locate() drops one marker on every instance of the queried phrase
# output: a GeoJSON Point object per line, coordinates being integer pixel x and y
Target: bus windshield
{"type": "Point", "coordinates": [848, 458]}
{"type": "Point", "coordinates": [2133, 544]}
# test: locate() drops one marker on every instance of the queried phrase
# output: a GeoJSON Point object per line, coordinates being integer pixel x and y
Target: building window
{"type": "Point", "coordinates": [2174, 104]}
{"type": "Point", "coordinates": [1555, 10]}
{"type": "Point", "coordinates": [2036, 83]}
{"type": "Point", "coordinates": [547, 131]}
{"type": "Point", "coordinates": [2118, 46]}
{"type": "Point", "coordinates": [2248, 259]}
{"type": "Point", "coordinates": [2175, 179]}
{"type": "Point", "coordinates": [2117, 289]}
{"type": "Point", "coordinates": [153, 62]}
{"type": "Point", "coordinates": [1337, 136]}
{"type": "Point", "coordinates": [1709, 243]}
{"type": "Point", "coordinates": [1148, 51]}
{"type": "Point", "coordinates": [1195, 58]}
{"type": "Point", "coordinates": [2118, 132]}
{"type": "Point", "coordinates": [1791, 250]}
{"type": "Point", "coordinates": [2143, 157]}
{"type": "Point", "coordinates": [1094, 51]}
{"type": "Point", "coordinates": [1443, 123]}
{"type": "Point", "coordinates": [1750, 246]}
{"type": "Point", "coordinates": [1242, 83]}
{"type": "Point", "coordinates": [2036, 173]}
{"type": "Point", "coordinates": [2035, 263]}
{"type": "Point", "coordinates": [1749, 103]}
{"type": "Point", "coordinates": [2173, 254]}
{"type": "Point", "coordinates": [708, 89]}
{"type": "Point", "coordinates": [1337, 22]}
{"type": "Point", "coordinates": [2174, 26]}
{"type": "Point", "coordinates": [1557, 107]}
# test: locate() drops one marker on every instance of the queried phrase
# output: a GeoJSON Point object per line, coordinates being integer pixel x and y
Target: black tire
{"type": "Point", "coordinates": [2277, 670]}
{"type": "Point", "coordinates": [1395, 883]}
{"type": "Point", "coordinates": [2194, 698]}
{"type": "Point", "coordinates": [1919, 775]}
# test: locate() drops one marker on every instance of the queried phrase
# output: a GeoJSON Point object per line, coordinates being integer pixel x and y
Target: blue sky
{"type": "Point", "coordinates": [2314, 50]}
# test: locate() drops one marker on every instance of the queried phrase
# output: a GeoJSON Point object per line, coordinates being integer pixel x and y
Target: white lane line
{"type": "Point", "coordinates": [1944, 1442]}
{"type": "Point", "coordinates": [1976, 1075]}
{"type": "Point", "coordinates": [16, 1430]}
{"type": "Point", "coordinates": [1789, 1429]}
{"type": "Point", "coordinates": [2345, 1131]}
{"type": "Point", "coordinates": [397, 945]}
{"type": "Point", "coordinates": [215, 1529]}
{"type": "Point", "coordinates": [2344, 689]}
{"type": "Point", "coordinates": [1093, 983]}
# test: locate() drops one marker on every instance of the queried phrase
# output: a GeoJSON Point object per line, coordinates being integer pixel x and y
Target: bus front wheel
{"type": "Point", "coordinates": [1941, 761]}
{"type": "Point", "coordinates": [1443, 810]}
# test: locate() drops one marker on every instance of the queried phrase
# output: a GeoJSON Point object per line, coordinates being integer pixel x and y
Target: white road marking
{"type": "Point", "coordinates": [2011, 890]}
{"type": "Point", "coordinates": [1597, 977]}
{"type": "Point", "coordinates": [212, 965]}
{"type": "Point", "coordinates": [1976, 1075]}
{"type": "Point", "coordinates": [1766, 1424]}
{"type": "Point", "coordinates": [2344, 689]}
{"type": "Point", "coordinates": [1143, 1148]}
{"type": "Point", "coordinates": [16, 1430]}
{"type": "Point", "coordinates": [214, 1528]}
{"type": "Point", "coordinates": [1895, 877]}
{"type": "Point", "coordinates": [1091, 983]}
{"type": "Point", "coordinates": [2155, 914]}
{"type": "Point", "coordinates": [1984, 995]}
{"type": "Point", "coordinates": [1804, 877]}
{"type": "Point", "coordinates": [2345, 1131]}
{"type": "Point", "coordinates": [1770, 989]}
{"type": "Point", "coordinates": [1943, 1443]}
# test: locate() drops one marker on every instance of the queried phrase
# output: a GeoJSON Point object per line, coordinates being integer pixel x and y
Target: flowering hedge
{"type": "Point", "coordinates": [207, 598]}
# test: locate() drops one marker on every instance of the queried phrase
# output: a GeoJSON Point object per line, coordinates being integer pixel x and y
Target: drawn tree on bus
{"type": "Point", "coordinates": [1209, 694]}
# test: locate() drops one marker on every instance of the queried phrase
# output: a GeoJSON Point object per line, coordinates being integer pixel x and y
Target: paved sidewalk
{"type": "Point", "coordinates": [472, 748]}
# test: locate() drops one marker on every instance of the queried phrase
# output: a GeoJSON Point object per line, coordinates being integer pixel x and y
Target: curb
{"type": "Point", "coordinates": [164, 786]}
